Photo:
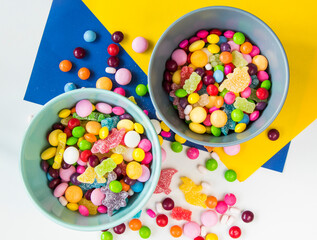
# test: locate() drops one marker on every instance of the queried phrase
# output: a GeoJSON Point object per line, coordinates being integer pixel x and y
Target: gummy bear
{"type": "Point", "coordinates": [236, 81]}
{"type": "Point", "coordinates": [255, 81]}
{"type": "Point", "coordinates": [87, 186]}
{"type": "Point", "coordinates": [89, 176]}
{"type": "Point", "coordinates": [230, 124]}
{"type": "Point", "coordinates": [105, 166]}
{"type": "Point", "coordinates": [238, 59]}
{"type": "Point", "coordinates": [132, 99]}
{"type": "Point", "coordinates": [123, 168]}
{"type": "Point", "coordinates": [60, 150]}
{"type": "Point", "coordinates": [203, 90]}
{"type": "Point", "coordinates": [214, 60]}
{"type": "Point", "coordinates": [191, 84]}
{"type": "Point", "coordinates": [165, 181]}
{"type": "Point", "coordinates": [192, 192]}
{"type": "Point", "coordinates": [89, 205]}
{"type": "Point", "coordinates": [203, 100]}
{"type": "Point", "coordinates": [244, 105]}
{"type": "Point", "coordinates": [120, 149]}
{"type": "Point", "coordinates": [185, 74]}
{"type": "Point", "coordinates": [113, 140]}
{"type": "Point", "coordinates": [110, 123]}
{"type": "Point", "coordinates": [179, 213]}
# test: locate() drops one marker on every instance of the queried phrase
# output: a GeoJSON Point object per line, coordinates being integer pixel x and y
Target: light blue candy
{"type": "Point", "coordinates": [137, 187]}
{"type": "Point", "coordinates": [110, 123]}
{"type": "Point", "coordinates": [255, 81]}
{"type": "Point", "coordinates": [245, 119]}
{"type": "Point", "coordinates": [69, 87]}
{"type": "Point", "coordinates": [95, 184]}
{"type": "Point", "coordinates": [218, 76]}
{"type": "Point", "coordinates": [138, 215]}
{"type": "Point", "coordinates": [90, 36]}
{"type": "Point", "coordinates": [49, 178]}
{"type": "Point", "coordinates": [222, 39]}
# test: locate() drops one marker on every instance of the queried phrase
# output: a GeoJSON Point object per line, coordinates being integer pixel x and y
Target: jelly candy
{"type": "Point", "coordinates": [185, 74]}
{"type": "Point", "coordinates": [105, 166]}
{"type": "Point", "coordinates": [87, 186]}
{"type": "Point", "coordinates": [192, 192]}
{"type": "Point", "coordinates": [238, 59]}
{"type": "Point", "coordinates": [254, 97]}
{"type": "Point", "coordinates": [94, 116]}
{"type": "Point", "coordinates": [119, 149]}
{"type": "Point", "coordinates": [113, 140]}
{"type": "Point", "coordinates": [203, 100]}
{"type": "Point", "coordinates": [60, 150]}
{"type": "Point", "coordinates": [203, 90]}
{"type": "Point", "coordinates": [89, 205]}
{"type": "Point", "coordinates": [89, 176]}
{"type": "Point", "coordinates": [244, 105]}
{"type": "Point", "coordinates": [110, 123]}
{"type": "Point", "coordinates": [179, 213]}
{"type": "Point", "coordinates": [255, 81]}
{"type": "Point", "coordinates": [191, 84]}
{"type": "Point", "coordinates": [132, 99]}
{"type": "Point", "coordinates": [230, 124]}
{"type": "Point", "coordinates": [214, 60]}
{"type": "Point", "coordinates": [181, 113]}
{"type": "Point", "coordinates": [237, 81]}
{"type": "Point", "coordinates": [165, 181]}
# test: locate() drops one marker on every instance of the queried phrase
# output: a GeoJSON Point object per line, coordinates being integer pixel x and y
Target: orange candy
{"type": "Point", "coordinates": [93, 127]}
{"type": "Point", "coordinates": [176, 231]}
{"type": "Point", "coordinates": [246, 48]}
{"type": "Point", "coordinates": [125, 187]}
{"type": "Point", "coordinates": [219, 102]}
{"type": "Point", "coordinates": [73, 110]}
{"type": "Point", "coordinates": [199, 58]}
{"type": "Point", "coordinates": [225, 57]}
{"type": "Point", "coordinates": [90, 137]}
{"type": "Point", "coordinates": [218, 118]}
{"type": "Point", "coordinates": [65, 65]}
{"type": "Point", "coordinates": [73, 194]}
{"type": "Point", "coordinates": [135, 224]}
{"type": "Point", "coordinates": [83, 73]}
{"type": "Point", "coordinates": [211, 202]}
{"type": "Point", "coordinates": [104, 83]}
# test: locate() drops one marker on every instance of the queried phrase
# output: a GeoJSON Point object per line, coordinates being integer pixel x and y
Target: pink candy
{"type": "Point", "coordinates": [145, 144]}
{"type": "Point", "coordinates": [228, 34]}
{"type": "Point", "coordinates": [123, 76]}
{"type": "Point", "coordinates": [102, 209]}
{"type": "Point", "coordinates": [209, 218]}
{"type": "Point", "coordinates": [221, 207]}
{"type": "Point", "coordinates": [262, 76]}
{"type": "Point", "coordinates": [254, 116]}
{"type": "Point", "coordinates": [120, 91]}
{"type": "Point", "coordinates": [179, 56]}
{"type": "Point", "coordinates": [166, 134]}
{"type": "Point", "coordinates": [140, 44]}
{"type": "Point", "coordinates": [193, 39]}
{"type": "Point", "coordinates": [83, 108]}
{"type": "Point", "coordinates": [151, 213]}
{"type": "Point", "coordinates": [211, 110]}
{"type": "Point", "coordinates": [66, 173]}
{"type": "Point", "coordinates": [247, 57]}
{"type": "Point", "coordinates": [255, 51]}
{"type": "Point", "coordinates": [229, 98]}
{"type": "Point", "coordinates": [228, 69]}
{"type": "Point", "coordinates": [191, 229]}
{"type": "Point", "coordinates": [145, 174]}
{"type": "Point", "coordinates": [232, 150]}
{"type": "Point", "coordinates": [147, 158]}
{"type": "Point", "coordinates": [230, 199]}
{"type": "Point", "coordinates": [118, 111]}
{"type": "Point", "coordinates": [146, 112]}
{"type": "Point", "coordinates": [104, 108]}
{"type": "Point", "coordinates": [207, 122]}
{"type": "Point", "coordinates": [83, 210]}
{"type": "Point", "coordinates": [81, 162]}
{"type": "Point", "coordinates": [246, 92]}
{"type": "Point", "coordinates": [97, 196]}
{"type": "Point", "coordinates": [202, 34]}
{"type": "Point", "coordinates": [80, 169]}
{"type": "Point", "coordinates": [234, 46]}
{"type": "Point", "coordinates": [192, 153]}
{"type": "Point", "coordinates": [183, 43]}
{"type": "Point", "coordinates": [60, 190]}
{"type": "Point", "coordinates": [163, 154]}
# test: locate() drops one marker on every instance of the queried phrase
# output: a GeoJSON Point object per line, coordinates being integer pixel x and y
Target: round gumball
{"type": "Point", "coordinates": [135, 224]}
{"type": "Point", "coordinates": [113, 49]}
{"type": "Point", "coordinates": [65, 65]}
{"type": "Point", "coordinates": [117, 37]}
{"type": "Point", "coordinates": [168, 204]}
{"type": "Point", "coordinates": [235, 232]}
{"type": "Point", "coordinates": [140, 44]}
{"type": "Point", "coordinates": [79, 52]}
{"type": "Point", "coordinates": [176, 231]}
{"type": "Point", "coordinates": [247, 216]}
{"type": "Point", "coordinates": [192, 153]}
{"type": "Point", "coordinates": [161, 220]}
{"type": "Point", "coordinates": [123, 76]}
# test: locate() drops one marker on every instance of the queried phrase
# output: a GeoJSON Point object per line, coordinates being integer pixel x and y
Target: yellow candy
{"type": "Point", "coordinates": [208, 129]}
{"type": "Point", "coordinates": [93, 107]}
{"type": "Point", "coordinates": [192, 192]}
{"type": "Point", "coordinates": [138, 154]}
{"type": "Point", "coordinates": [192, 66]}
{"type": "Point", "coordinates": [89, 205]}
{"type": "Point", "coordinates": [93, 127]}
{"type": "Point", "coordinates": [199, 58]}
{"type": "Point", "coordinates": [218, 118]}
{"type": "Point", "coordinates": [79, 140]}
{"type": "Point", "coordinates": [164, 127]}
{"type": "Point", "coordinates": [193, 98]}
{"type": "Point", "coordinates": [237, 81]}
{"type": "Point", "coordinates": [260, 61]}
{"type": "Point", "coordinates": [213, 38]}
{"type": "Point", "coordinates": [211, 236]}
{"type": "Point", "coordinates": [198, 115]}
{"type": "Point", "coordinates": [213, 48]}
{"type": "Point", "coordinates": [180, 139]}
{"type": "Point", "coordinates": [53, 137]}
{"type": "Point", "coordinates": [132, 99]}
{"type": "Point", "coordinates": [237, 94]}
{"type": "Point", "coordinates": [119, 149]}
{"type": "Point", "coordinates": [176, 78]}
{"type": "Point", "coordinates": [103, 132]}
{"type": "Point", "coordinates": [89, 176]}
{"type": "Point", "coordinates": [72, 206]}
{"type": "Point", "coordinates": [240, 127]}
{"type": "Point", "coordinates": [62, 137]}
{"type": "Point", "coordinates": [197, 45]}
{"type": "Point", "coordinates": [216, 84]}
{"type": "Point", "coordinates": [139, 128]}
{"type": "Point", "coordinates": [197, 128]}
{"type": "Point", "coordinates": [48, 153]}
{"type": "Point", "coordinates": [64, 113]}
{"type": "Point", "coordinates": [73, 194]}
{"type": "Point", "coordinates": [134, 170]}
{"type": "Point", "coordinates": [64, 121]}
{"type": "Point", "coordinates": [160, 139]}
{"type": "Point", "coordinates": [126, 124]}
{"type": "Point", "coordinates": [212, 101]}
{"type": "Point", "coordinates": [117, 158]}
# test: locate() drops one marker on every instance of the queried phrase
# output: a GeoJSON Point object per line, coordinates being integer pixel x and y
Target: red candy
{"type": "Point", "coordinates": [113, 140]}
{"type": "Point", "coordinates": [85, 155]}
{"type": "Point", "coordinates": [216, 31]}
{"type": "Point", "coordinates": [235, 232]}
{"type": "Point", "coordinates": [179, 213]}
{"type": "Point", "coordinates": [262, 93]}
{"type": "Point", "coordinates": [199, 238]}
{"type": "Point", "coordinates": [113, 49]}
{"type": "Point", "coordinates": [165, 181]}
{"type": "Point", "coordinates": [199, 86]}
{"type": "Point", "coordinates": [185, 74]}
{"type": "Point", "coordinates": [68, 132]}
{"type": "Point", "coordinates": [73, 122]}
{"type": "Point", "coordinates": [212, 90]}
{"type": "Point", "coordinates": [162, 220]}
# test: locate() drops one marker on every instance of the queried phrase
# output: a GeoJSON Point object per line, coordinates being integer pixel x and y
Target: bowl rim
{"type": "Point", "coordinates": [141, 203]}
{"type": "Point", "coordinates": [264, 126]}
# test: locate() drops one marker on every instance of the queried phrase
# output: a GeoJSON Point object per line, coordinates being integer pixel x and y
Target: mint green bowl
{"type": "Point", "coordinates": [35, 180]}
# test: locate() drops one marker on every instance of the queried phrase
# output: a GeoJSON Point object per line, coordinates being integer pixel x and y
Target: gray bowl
{"type": "Point", "coordinates": [223, 18]}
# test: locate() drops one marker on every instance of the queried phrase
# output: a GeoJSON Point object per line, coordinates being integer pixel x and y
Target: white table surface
{"type": "Point", "coordinates": [284, 204]}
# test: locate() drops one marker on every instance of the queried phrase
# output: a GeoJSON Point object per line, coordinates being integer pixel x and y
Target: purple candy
{"type": "Point", "coordinates": [167, 86]}
{"type": "Point", "coordinates": [73, 178]}
{"type": "Point", "coordinates": [88, 193]}
{"type": "Point", "coordinates": [126, 116]}
{"type": "Point", "coordinates": [54, 173]}
{"type": "Point", "coordinates": [168, 204]}
{"type": "Point", "coordinates": [44, 165]}
{"type": "Point", "coordinates": [260, 106]}
{"type": "Point", "coordinates": [117, 36]}
{"type": "Point", "coordinates": [79, 52]}
{"type": "Point", "coordinates": [207, 80]}
{"type": "Point", "coordinates": [113, 61]}
{"type": "Point", "coordinates": [65, 165]}
{"type": "Point", "coordinates": [119, 229]}
{"type": "Point", "coordinates": [225, 47]}
{"type": "Point", "coordinates": [129, 181]}
{"type": "Point", "coordinates": [247, 216]}
{"type": "Point", "coordinates": [171, 65]}
{"type": "Point", "coordinates": [93, 161]}
{"type": "Point", "coordinates": [200, 71]}
{"type": "Point", "coordinates": [183, 102]}
{"type": "Point", "coordinates": [253, 69]}
{"type": "Point", "coordinates": [168, 76]}
{"type": "Point", "coordinates": [58, 126]}
{"type": "Point", "coordinates": [273, 134]}
{"type": "Point", "coordinates": [118, 171]}
{"type": "Point", "coordinates": [53, 184]}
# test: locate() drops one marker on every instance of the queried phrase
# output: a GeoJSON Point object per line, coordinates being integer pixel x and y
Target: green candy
{"type": "Point", "coordinates": [243, 105]}
{"type": "Point", "coordinates": [144, 232]}
{"type": "Point", "coordinates": [78, 131]}
{"type": "Point", "coordinates": [250, 100]}
{"type": "Point", "coordinates": [180, 93]}
{"type": "Point", "coordinates": [115, 186]}
{"type": "Point", "coordinates": [94, 116]}
{"type": "Point", "coordinates": [215, 131]}
{"type": "Point", "coordinates": [238, 59]}
{"type": "Point", "coordinates": [141, 90]}
{"type": "Point", "coordinates": [50, 161]}
{"type": "Point", "coordinates": [239, 38]}
{"type": "Point", "coordinates": [177, 147]}
{"type": "Point", "coordinates": [266, 84]}
{"type": "Point", "coordinates": [106, 236]}
{"type": "Point", "coordinates": [188, 121]}
{"type": "Point", "coordinates": [223, 93]}
{"type": "Point", "coordinates": [230, 175]}
{"type": "Point", "coordinates": [84, 145]}
{"type": "Point", "coordinates": [219, 67]}
{"type": "Point", "coordinates": [175, 107]}
{"type": "Point", "coordinates": [71, 141]}
{"type": "Point", "coordinates": [105, 166]}
{"type": "Point", "coordinates": [237, 115]}
{"type": "Point", "coordinates": [211, 164]}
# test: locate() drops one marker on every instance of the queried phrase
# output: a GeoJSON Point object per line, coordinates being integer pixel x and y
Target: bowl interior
{"type": "Point", "coordinates": [223, 18]}
{"type": "Point", "coordinates": [35, 179]}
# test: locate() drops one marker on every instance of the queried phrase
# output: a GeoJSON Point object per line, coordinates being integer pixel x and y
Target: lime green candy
{"type": "Point", "coordinates": [223, 93]}
{"type": "Point", "coordinates": [78, 131]}
{"type": "Point", "coordinates": [106, 236]}
{"type": "Point", "coordinates": [145, 232]}
{"type": "Point", "coordinates": [84, 145]}
{"type": "Point", "coordinates": [266, 84]}
{"type": "Point", "coordinates": [215, 131]}
{"type": "Point", "coordinates": [243, 105]}
{"type": "Point", "coordinates": [211, 164]}
{"type": "Point", "coordinates": [214, 60]}
{"type": "Point", "coordinates": [105, 166]}
{"type": "Point", "coordinates": [219, 67]}
{"type": "Point", "coordinates": [141, 90]}
{"type": "Point", "coordinates": [237, 115]}
{"type": "Point", "coordinates": [177, 147]}
{"type": "Point", "coordinates": [50, 161]}
{"type": "Point", "coordinates": [191, 84]}
{"type": "Point", "coordinates": [238, 59]}
{"type": "Point", "coordinates": [250, 100]}
{"type": "Point", "coordinates": [115, 186]}
{"type": "Point", "coordinates": [180, 93]}
{"type": "Point", "coordinates": [71, 141]}
{"type": "Point", "coordinates": [238, 38]}
{"type": "Point", "coordinates": [230, 175]}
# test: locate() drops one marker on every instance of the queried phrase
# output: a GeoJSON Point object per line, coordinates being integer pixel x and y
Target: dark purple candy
{"type": "Point", "coordinates": [126, 116]}
{"type": "Point", "coordinates": [247, 216]}
{"type": "Point", "coordinates": [183, 102]}
{"type": "Point", "coordinates": [73, 179]}
{"type": "Point", "coordinates": [44, 165]}
{"type": "Point", "coordinates": [129, 181]}
{"type": "Point", "coordinates": [273, 134]}
{"type": "Point", "coordinates": [168, 76]}
{"type": "Point", "coordinates": [65, 165]}
{"type": "Point", "coordinates": [119, 229]}
{"type": "Point", "coordinates": [253, 69]}
{"type": "Point", "coordinates": [88, 194]}
{"type": "Point", "coordinates": [79, 52]}
{"type": "Point", "coordinates": [200, 71]}
{"type": "Point", "coordinates": [225, 47]}
{"type": "Point", "coordinates": [207, 80]}
{"type": "Point", "coordinates": [117, 36]}
{"type": "Point", "coordinates": [118, 171]}
{"type": "Point", "coordinates": [104, 158]}
{"type": "Point", "coordinates": [93, 161]}
{"type": "Point", "coordinates": [53, 184]}
{"type": "Point", "coordinates": [167, 86]}
{"type": "Point", "coordinates": [260, 106]}
{"type": "Point", "coordinates": [58, 126]}
{"type": "Point", "coordinates": [104, 230]}
{"type": "Point", "coordinates": [54, 173]}
{"type": "Point", "coordinates": [168, 204]}
{"type": "Point", "coordinates": [113, 61]}
{"type": "Point", "coordinates": [247, 39]}
{"type": "Point", "coordinates": [171, 65]}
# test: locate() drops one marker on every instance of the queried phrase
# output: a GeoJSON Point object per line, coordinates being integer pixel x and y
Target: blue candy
{"type": "Point", "coordinates": [95, 184]}
{"type": "Point", "coordinates": [49, 178]}
{"type": "Point", "coordinates": [230, 125]}
{"type": "Point", "coordinates": [138, 215]}
{"type": "Point", "coordinates": [69, 87]}
{"type": "Point", "coordinates": [255, 81]}
{"type": "Point", "coordinates": [110, 123]}
{"type": "Point", "coordinates": [245, 119]}
{"type": "Point", "coordinates": [222, 39]}
{"type": "Point", "coordinates": [137, 187]}
{"type": "Point", "coordinates": [90, 36]}
{"type": "Point", "coordinates": [218, 76]}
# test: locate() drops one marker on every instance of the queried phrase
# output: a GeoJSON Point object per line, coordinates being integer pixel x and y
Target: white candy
{"type": "Point", "coordinates": [188, 109]}
{"type": "Point", "coordinates": [71, 155]}
{"type": "Point", "coordinates": [205, 185]}
{"type": "Point", "coordinates": [215, 156]}
{"type": "Point", "coordinates": [132, 139]}
{"type": "Point", "coordinates": [235, 211]}
{"type": "Point", "coordinates": [130, 192]}
{"type": "Point", "coordinates": [187, 117]}
{"type": "Point", "coordinates": [127, 155]}
{"type": "Point", "coordinates": [157, 125]}
{"type": "Point", "coordinates": [158, 116]}
{"type": "Point", "coordinates": [202, 169]}
{"type": "Point", "coordinates": [159, 207]}
{"type": "Point", "coordinates": [208, 66]}
{"type": "Point", "coordinates": [110, 70]}
{"type": "Point", "coordinates": [224, 219]}
{"type": "Point", "coordinates": [30, 117]}
{"type": "Point", "coordinates": [203, 231]}
{"type": "Point", "coordinates": [205, 50]}
{"type": "Point", "coordinates": [63, 200]}
{"type": "Point", "coordinates": [231, 220]}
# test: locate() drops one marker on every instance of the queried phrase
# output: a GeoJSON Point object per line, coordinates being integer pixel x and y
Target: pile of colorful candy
{"type": "Point", "coordinates": [98, 158]}
{"type": "Point", "coordinates": [217, 81]}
